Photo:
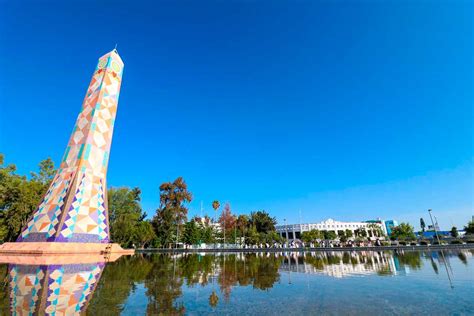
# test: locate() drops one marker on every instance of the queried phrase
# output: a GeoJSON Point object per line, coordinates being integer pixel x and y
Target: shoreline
{"type": "Point", "coordinates": [318, 249]}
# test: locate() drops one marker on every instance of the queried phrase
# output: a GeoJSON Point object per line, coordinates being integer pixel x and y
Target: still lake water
{"type": "Point", "coordinates": [328, 283]}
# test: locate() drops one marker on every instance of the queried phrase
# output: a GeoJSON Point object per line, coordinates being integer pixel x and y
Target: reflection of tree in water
{"type": "Point", "coordinates": [4, 292]}
{"type": "Point", "coordinates": [411, 259]}
{"type": "Point", "coordinates": [462, 256]}
{"type": "Point", "coordinates": [346, 258]}
{"type": "Point", "coordinates": [163, 284]}
{"type": "Point", "coordinates": [117, 282]}
{"type": "Point", "coordinates": [434, 265]}
{"type": "Point", "coordinates": [213, 299]}
{"type": "Point", "coordinates": [333, 259]}
{"type": "Point", "coordinates": [196, 269]}
{"type": "Point", "coordinates": [227, 275]}
{"type": "Point", "coordinates": [259, 270]}
{"type": "Point", "coordinates": [263, 271]}
{"type": "Point", "coordinates": [163, 275]}
{"type": "Point", "coordinates": [317, 261]}
{"type": "Point", "coordinates": [230, 270]}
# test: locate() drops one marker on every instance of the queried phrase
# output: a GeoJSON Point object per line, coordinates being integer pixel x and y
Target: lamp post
{"type": "Point", "coordinates": [434, 227]}
{"type": "Point", "coordinates": [446, 263]}
{"type": "Point", "coordinates": [177, 235]}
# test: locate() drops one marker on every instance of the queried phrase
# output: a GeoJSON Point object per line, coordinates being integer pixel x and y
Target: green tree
{"type": "Point", "coordinates": [375, 229]}
{"type": "Point", "coordinates": [349, 233]}
{"type": "Point", "coordinates": [312, 235]}
{"type": "Point", "coordinates": [208, 235]}
{"type": "Point", "coordinates": [19, 198]}
{"type": "Point", "coordinates": [271, 237]}
{"type": "Point", "coordinates": [262, 221]}
{"type": "Point", "coordinates": [242, 224]}
{"type": "Point", "coordinates": [469, 229]}
{"type": "Point", "coordinates": [144, 233]}
{"type": "Point", "coordinates": [192, 233]}
{"type": "Point", "coordinates": [330, 235]}
{"type": "Point", "coordinates": [306, 237]}
{"type": "Point", "coordinates": [422, 224]}
{"type": "Point", "coordinates": [172, 213]}
{"type": "Point", "coordinates": [454, 232]}
{"type": "Point", "coordinates": [342, 235]}
{"type": "Point", "coordinates": [46, 172]}
{"type": "Point", "coordinates": [125, 216]}
{"type": "Point", "coordinates": [253, 237]}
{"type": "Point", "coordinates": [404, 231]}
{"type": "Point", "coordinates": [360, 232]}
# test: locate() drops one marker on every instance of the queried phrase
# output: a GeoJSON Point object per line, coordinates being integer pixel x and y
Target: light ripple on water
{"type": "Point", "coordinates": [332, 283]}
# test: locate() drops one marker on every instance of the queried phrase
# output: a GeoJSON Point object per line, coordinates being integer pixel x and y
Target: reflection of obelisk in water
{"type": "Point", "coordinates": [74, 209]}
{"type": "Point", "coordinates": [52, 289]}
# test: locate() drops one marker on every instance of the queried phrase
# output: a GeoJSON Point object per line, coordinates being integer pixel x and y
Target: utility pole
{"type": "Point", "coordinates": [434, 227]}
{"type": "Point", "coordinates": [177, 235]}
{"type": "Point", "coordinates": [301, 227]}
{"type": "Point", "coordinates": [446, 263]}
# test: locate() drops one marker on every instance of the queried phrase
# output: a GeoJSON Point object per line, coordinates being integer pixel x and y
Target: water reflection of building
{"type": "Point", "coordinates": [52, 289]}
{"type": "Point", "coordinates": [338, 264]}
{"type": "Point", "coordinates": [294, 231]}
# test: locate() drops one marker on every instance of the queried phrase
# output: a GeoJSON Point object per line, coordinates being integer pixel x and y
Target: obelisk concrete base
{"type": "Point", "coordinates": [61, 248]}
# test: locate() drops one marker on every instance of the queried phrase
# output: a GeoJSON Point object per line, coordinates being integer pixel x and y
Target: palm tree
{"type": "Point", "coordinates": [215, 206]}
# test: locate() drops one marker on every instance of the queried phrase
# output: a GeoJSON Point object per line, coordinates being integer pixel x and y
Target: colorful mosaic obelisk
{"type": "Point", "coordinates": [74, 210]}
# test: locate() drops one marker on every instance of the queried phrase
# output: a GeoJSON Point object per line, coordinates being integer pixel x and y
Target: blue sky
{"type": "Point", "coordinates": [343, 109]}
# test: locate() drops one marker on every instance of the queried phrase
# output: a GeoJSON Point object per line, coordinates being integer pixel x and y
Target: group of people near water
{"type": "Point", "coordinates": [322, 243]}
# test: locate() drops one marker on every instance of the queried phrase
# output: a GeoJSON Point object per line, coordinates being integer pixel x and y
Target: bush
{"type": "Point", "coordinates": [402, 242]}
{"type": "Point", "coordinates": [456, 242]}
{"type": "Point", "coordinates": [424, 242]}
{"type": "Point", "coordinates": [468, 238]}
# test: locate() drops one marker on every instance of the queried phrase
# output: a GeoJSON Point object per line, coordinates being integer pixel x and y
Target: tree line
{"type": "Point", "coordinates": [171, 224]}
{"type": "Point", "coordinates": [20, 196]}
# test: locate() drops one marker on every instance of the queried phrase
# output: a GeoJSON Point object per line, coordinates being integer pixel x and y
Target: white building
{"type": "Point", "coordinates": [294, 230]}
{"type": "Point", "coordinates": [207, 222]}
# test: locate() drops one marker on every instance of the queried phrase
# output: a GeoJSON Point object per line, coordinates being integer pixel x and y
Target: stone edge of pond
{"type": "Point", "coordinates": [252, 250]}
